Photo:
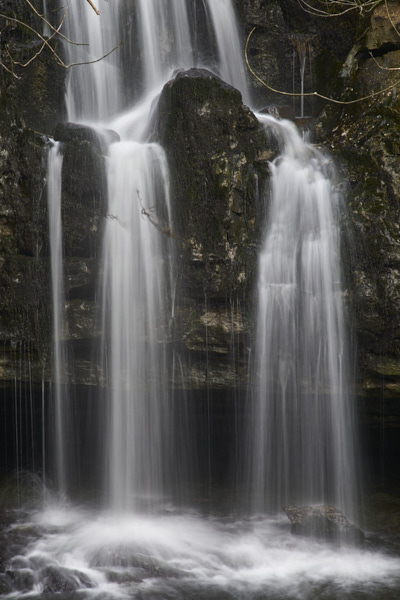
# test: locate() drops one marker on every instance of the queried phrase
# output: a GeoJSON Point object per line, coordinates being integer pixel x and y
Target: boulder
{"type": "Point", "coordinates": [59, 579]}
{"type": "Point", "coordinates": [218, 157]}
{"type": "Point", "coordinates": [67, 132]}
{"type": "Point", "coordinates": [325, 522]}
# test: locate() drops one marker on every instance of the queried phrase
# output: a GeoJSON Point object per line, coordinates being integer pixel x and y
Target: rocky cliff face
{"type": "Point", "coordinates": [218, 156]}
{"type": "Point", "coordinates": [365, 141]}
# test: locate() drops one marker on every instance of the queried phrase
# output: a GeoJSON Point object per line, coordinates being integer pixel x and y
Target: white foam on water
{"type": "Point", "coordinates": [243, 557]}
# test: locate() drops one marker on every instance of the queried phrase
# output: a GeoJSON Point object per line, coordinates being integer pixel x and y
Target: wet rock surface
{"type": "Point", "coordinates": [325, 522]}
{"type": "Point", "coordinates": [218, 155]}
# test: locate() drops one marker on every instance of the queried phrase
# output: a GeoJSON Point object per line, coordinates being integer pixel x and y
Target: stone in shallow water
{"type": "Point", "coordinates": [323, 521]}
{"type": "Point", "coordinates": [60, 579]}
{"type": "Point", "coordinates": [22, 580]}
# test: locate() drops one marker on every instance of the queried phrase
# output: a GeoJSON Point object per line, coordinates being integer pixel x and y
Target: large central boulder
{"type": "Point", "coordinates": [217, 153]}
{"type": "Point", "coordinates": [218, 157]}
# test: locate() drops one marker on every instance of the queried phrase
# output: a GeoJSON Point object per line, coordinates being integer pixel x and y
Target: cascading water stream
{"type": "Point", "coordinates": [59, 379]}
{"type": "Point", "coordinates": [135, 298]}
{"type": "Point", "coordinates": [94, 90]}
{"type": "Point", "coordinates": [230, 54]}
{"type": "Point", "coordinates": [302, 426]}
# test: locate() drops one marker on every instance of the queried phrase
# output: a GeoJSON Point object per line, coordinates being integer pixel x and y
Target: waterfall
{"type": "Point", "coordinates": [300, 364]}
{"type": "Point", "coordinates": [137, 271]}
{"type": "Point", "coordinates": [301, 427]}
{"type": "Point", "coordinates": [165, 39]}
{"type": "Point", "coordinates": [140, 542]}
{"type": "Point", "coordinates": [94, 90]}
{"type": "Point", "coordinates": [135, 301]}
{"type": "Point", "coordinates": [230, 51]}
{"type": "Point", "coordinates": [59, 379]}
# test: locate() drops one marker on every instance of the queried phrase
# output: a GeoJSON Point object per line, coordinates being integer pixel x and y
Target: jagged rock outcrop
{"type": "Point", "coordinates": [218, 157]}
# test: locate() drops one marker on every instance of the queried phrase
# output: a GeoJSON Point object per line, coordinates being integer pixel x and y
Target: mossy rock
{"type": "Point", "coordinates": [218, 156]}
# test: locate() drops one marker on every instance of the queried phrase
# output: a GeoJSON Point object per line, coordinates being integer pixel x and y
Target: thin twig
{"type": "Point", "coordinates": [391, 19]}
{"type": "Point", "coordinates": [147, 212]}
{"type": "Point", "coordinates": [350, 5]}
{"type": "Point", "coordinates": [56, 30]}
{"type": "Point", "coordinates": [94, 8]}
{"type": "Point", "coordinates": [45, 42]}
{"type": "Point", "coordinates": [91, 62]}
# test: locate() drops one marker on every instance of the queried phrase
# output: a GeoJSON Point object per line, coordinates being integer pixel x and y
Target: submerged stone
{"type": "Point", "coordinates": [325, 522]}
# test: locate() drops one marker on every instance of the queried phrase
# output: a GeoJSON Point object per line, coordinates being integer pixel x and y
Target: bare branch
{"type": "Point", "coordinates": [337, 8]}
{"type": "Point", "coordinates": [45, 41]}
{"type": "Point", "coordinates": [148, 212]}
{"type": "Point", "coordinates": [56, 30]}
{"type": "Point", "coordinates": [311, 94]}
{"type": "Point", "coordinates": [91, 62]}
{"type": "Point", "coordinates": [94, 8]}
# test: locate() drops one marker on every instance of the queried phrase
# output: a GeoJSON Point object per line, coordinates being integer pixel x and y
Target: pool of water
{"type": "Point", "coordinates": [70, 553]}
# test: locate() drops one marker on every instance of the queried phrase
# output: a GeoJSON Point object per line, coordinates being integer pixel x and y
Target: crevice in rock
{"type": "Point", "coordinates": [366, 53]}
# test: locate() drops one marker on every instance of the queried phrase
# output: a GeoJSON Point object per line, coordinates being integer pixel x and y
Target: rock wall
{"type": "Point", "coordinates": [31, 102]}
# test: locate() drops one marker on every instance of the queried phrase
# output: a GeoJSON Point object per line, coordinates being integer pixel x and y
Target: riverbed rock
{"type": "Point", "coordinates": [323, 521]}
{"type": "Point", "coordinates": [60, 579]}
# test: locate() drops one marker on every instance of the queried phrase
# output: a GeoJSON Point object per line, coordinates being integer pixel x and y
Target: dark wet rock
{"type": "Point", "coordinates": [19, 562]}
{"type": "Point", "coordinates": [60, 579]}
{"type": "Point", "coordinates": [5, 584]}
{"type": "Point", "coordinates": [144, 566]}
{"type": "Point", "coordinates": [283, 33]}
{"type": "Point", "coordinates": [83, 198]}
{"type": "Point", "coordinates": [156, 568]}
{"type": "Point", "coordinates": [218, 156]}
{"type": "Point", "coordinates": [325, 522]}
{"type": "Point", "coordinates": [68, 132]}
{"type": "Point", "coordinates": [22, 580]}
{"type": "Point", "coordinates": [365, 143]}
{"type": "Point", "coordinates": [131, 575]}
